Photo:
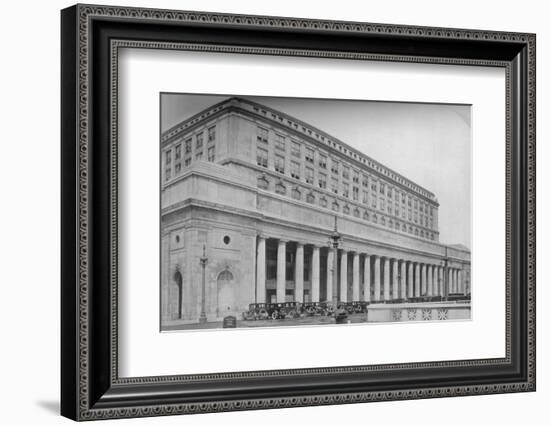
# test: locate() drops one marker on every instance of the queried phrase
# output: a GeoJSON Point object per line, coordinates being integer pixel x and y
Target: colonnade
{"type": "Point", "coordinates": [383, 278]}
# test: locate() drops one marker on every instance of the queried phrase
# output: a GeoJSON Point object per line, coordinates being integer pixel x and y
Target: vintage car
{"type": "Point", "coordinates": [262, 311]}
{"type": "Point", "coordinates": [353, 307]}
{"type": "Point", "coordinates": [318, 309]}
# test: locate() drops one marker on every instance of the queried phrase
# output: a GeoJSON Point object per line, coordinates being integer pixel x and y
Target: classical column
{"type": "Point", "coordinates": [281, 271]}
{"type": "Point", "coordinates": [355, 284]}
{"type": "Point", "coordinates": [386, 278]}
{"type": "Point", "coordinates": [299, 274]}
{"type": "Point", "coordinates": [403, 280]}
{"type": "Point", "coordinates": [417, 280]}
{"type": "Point", "coordinates": [330, 274]}
{"type": "Point", "coordinates": [344, 277]}
{"type": "Point", "coordinates": [366, 279]}
{"type": "Point", "coordinates": [410, 281]}
{"type": "Point", "coordinates": [376, 278]}
{"type": "Point", "coordinates": [315, 273]}
{"type": "Point", "coordinates": [260, 271]}
{"type": "Point", "coordinates": [430, 280]}
{"type": "Point", "coordinates": [455, 287]}
{"type": "Point", "coordinates": [395, 281]}
{"type": "Point", "coordinates": [423, 278]}
{"type": "Point", "coordinates": [441, 281]}
{"type": "Point", "coordinates": [437, 280]}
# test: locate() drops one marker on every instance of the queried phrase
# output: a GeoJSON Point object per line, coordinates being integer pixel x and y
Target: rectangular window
{"type": "Point", "coordinates": [187, 163]}
{"type": "Point", "coordinates": [211, 134]}
{"type": "Point", "coordinates": [322, 180]}
{"type": "Point", "coordinates": [334, 185]}
{"type": "Point", "coordinates": [345, 191]}
{"type": "Point", "coordinates": [323, 161]}
{"type": "Point", "coordinates": [397, 210]}
{"type": "Point", "coordinates": [188, 146]}
{"type": "Point", "coordinates": [365, 197]}
{"type": "Point", "coordinates": [416, 204]}
{"type": "Point", "coordinates": [334, 167]}
{"type": "Point", "coordinates": [382, 188]}
{"type": "Point", "coordinates": [295, 149]}
{"type": "Point", "coordinates": [390, 207]}
{"type": "Point", "coordinates": [365, 181]}
{"type": "Point", "coordinates": [280, 164]}
{"type": "Point", "coordinates": [389, 192]}
{"type": "Point", "coordinates": [261, 157]}
{"type": "Point", "coordinates": [198, 143]}
{"type": "Point", "coordinates": [295, 169]}
{"type": "Point", "coordinates": [309, 175]}
{"type": "Point", "coordinates": [415, 217]}
{"type": "Point", "coordinates": [374, 201]}
{"type": "Point", "coordinates": [168, 173]}
{"type": "Point", "coordinates": [177, 155]}
{"type": "Point", "coordinates": [309, 155]}
{"type": "Point", "coordinates": [262, 135]}
{"type": "Point", "coordinates": [198, 155]}
{"type": "Point", "coordinates": [355, 193]}
{"type": "Point", "coordinates": [168, 157]}
{"type": "Point", "coordinates": [211, 154]}
{"type": "Point", "coordinates": [382, 204]}
{"type": "Point", "coordinates": [345, 172]}
{"type": "Point", "coordinates": [403, 198]}
{"type": "Point", "coordinates": [177, 168]}
{"type": "Point", "coordinates": [279, 142]}
{"type": "Point", "coordinates": [373, 186]}
{"type": "Point", "coordinates": [410, 214]}
{"type": "Point", "coordinates": [355, 177]}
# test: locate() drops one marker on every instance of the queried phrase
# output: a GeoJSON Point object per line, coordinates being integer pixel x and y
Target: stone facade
{"type": "Point", "coordinates": [259, 191]}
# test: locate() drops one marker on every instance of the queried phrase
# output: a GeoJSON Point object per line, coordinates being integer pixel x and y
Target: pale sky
{"type": "Point", "coordinates": [429, 144]}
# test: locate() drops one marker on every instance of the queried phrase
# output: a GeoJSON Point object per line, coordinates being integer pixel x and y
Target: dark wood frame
{"type": "Point", "coordinates": [90, 387]}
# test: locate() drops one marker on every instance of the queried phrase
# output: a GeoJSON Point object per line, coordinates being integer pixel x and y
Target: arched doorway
{"type": "Point", "coordinates": [178, 304]}
{"type": "Point", "coordinates": [226, 293]}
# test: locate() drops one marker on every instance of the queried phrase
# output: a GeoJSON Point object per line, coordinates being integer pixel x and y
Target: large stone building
{"type": "Point", "coordinates": [259, 191]}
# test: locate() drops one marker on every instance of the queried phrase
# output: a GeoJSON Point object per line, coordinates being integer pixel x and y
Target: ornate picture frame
{"type": "Point", "coordinates": [91, 37]}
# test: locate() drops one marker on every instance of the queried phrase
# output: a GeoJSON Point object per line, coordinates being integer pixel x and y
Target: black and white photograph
{"type": "Point", "coordinates": [279, 211]}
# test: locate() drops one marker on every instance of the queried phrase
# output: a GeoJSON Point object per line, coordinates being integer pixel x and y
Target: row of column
{"type": "Point", "coordinates": [407, 279]}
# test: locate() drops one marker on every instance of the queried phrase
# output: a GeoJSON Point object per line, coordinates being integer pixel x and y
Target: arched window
{"type": "Point", "coordinates": [178, 281]}
{"type": "Point", "coordinates": [226, 294]}
{"type": "Point", "coordinates": [225, 275]}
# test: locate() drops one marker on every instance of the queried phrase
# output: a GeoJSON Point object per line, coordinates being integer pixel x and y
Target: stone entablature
{"type": "Point", "coordinates": [220, 187]}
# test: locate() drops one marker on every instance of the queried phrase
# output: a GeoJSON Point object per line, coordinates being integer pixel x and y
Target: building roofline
{"type": "Point", "coordinates": [171, 132]}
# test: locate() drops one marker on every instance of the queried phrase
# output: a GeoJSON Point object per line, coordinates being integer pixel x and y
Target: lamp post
{"type": "Point", "coordinates": [203, 260]}
{"type": "Point", "coordinates": [335, 240]}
